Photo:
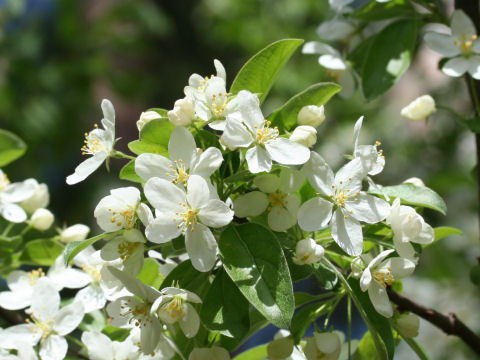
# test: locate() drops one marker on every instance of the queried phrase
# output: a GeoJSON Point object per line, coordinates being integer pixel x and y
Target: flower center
{"type": "Point", "coordinates": [93, 144]}
{"type": "Point", "coordinates": [179, 174]}
{"type": "Point", "coordinates": [126, 249]}
{"type": "Point", "coordinates": [4, 181]}
{"type": "Point", "coordinates": [203, 83]}
{"type": "Point", "coordinates": [34, 275]}
{"type": "Point", "coordinates": [138, 312]}
{"type": "Point", "coordinates": [219, 103]}
{"type": "Point", "coordinates": [93, 271]}
{"type": "Point", "coordinates": [266, 133]}
{"type": "Point", "coordinates": [277, 198]}
{"type": "Point", "coordinates": [174, 308]}
{"type": "Point", "coordinates": [187, 218]}
{"type": "Point", "coordinates": [465, 43]}
{"type": "Point", "coordinates": [125, 218]}
{"type": "Point", "coordinates": [45, 328]}
{"type": "Point", "coordinates": [384, 276]}
{"type": "Point", "coordinates": [341, 194]}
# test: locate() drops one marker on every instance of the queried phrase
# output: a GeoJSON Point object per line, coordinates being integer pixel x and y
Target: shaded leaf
{"type": "Point", "coordinates": [11, 147]}
{"type": "Point", "coordinates": [41, 252]}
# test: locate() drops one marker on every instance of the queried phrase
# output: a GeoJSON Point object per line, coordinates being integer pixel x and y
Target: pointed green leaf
{"type": "Point", "coordinates": [259, 73]}
{"type": "Point", "coordinates": [375, 11]}
{"type": "Point", "coordinates": [187, 277]}
{"type": "Point", "coordinates": [444, 231]}
{"type": "Point", "coordinates": [225, 309]}
{"type": "Point", "coordinates": [41, 252]}
{"type": "Point", "coordinates": [414, 195]}
{"type": "Point", "coordinates": [257, 353]}
{"type": "Point", "coordinates": [388, 57]}
{"type": "Point", "coordinates": [11, 147]}
{"type": "Point", "coordinates": [154, 138]}
{"type": "Point", "coordinates": [318, 94]}
{"type": "Point", "coordinates": [73, 248]}
{"type": "Point", "coordinates": [128, 173]}
{"type": "Point", "coordinates": [254, 260]}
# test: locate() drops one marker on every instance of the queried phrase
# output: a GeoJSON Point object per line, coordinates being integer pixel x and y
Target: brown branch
{"type": "Point", "coordinates": [450, 324]}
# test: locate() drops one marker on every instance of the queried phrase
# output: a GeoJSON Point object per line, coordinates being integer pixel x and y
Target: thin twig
{"type": "Point", "coordinates": [450, 324]}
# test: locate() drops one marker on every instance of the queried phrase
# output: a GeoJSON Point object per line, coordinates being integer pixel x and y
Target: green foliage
{"type": "Point", "coordinates": [73, 248]}
{"type": "Point", "coordinates": [411, 194]}
{"type": "Point", "coordinates": [286, 116]}
{"type": "Point", "coordinates": [444, 231]}
{"type": "Point", "coordinates": [306, 316]}
{"type": "Point", "coordinates": [150, 273]}
{"type": "Point", "coordinates": [375, 11]}
{"type": "Point", "coordinates": [259, 73]}
{"type": "Point", "coordinates": [254, 260]}
{"type": "Point", "coordinates": [366, 348]}
{"type": "Point", "coordinates": [256, 353]}
{"type": "Point", "coordinates": [154, 138]}
{"type": "Point", "coordinates": [128, 173]}
{"type": "Point", "coordinates": [225, 309]}
{"type": "Point", "coordinates": [11, 147]}
{"type": "Point", "coordinates": [385, 64]}
{"type": "Point", "coordinates": [187, 277]}
{"type": "Point", "coordinates": [41, 252]}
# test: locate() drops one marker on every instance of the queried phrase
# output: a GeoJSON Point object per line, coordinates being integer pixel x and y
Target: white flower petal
{"type": "Point", "coordinates": [181, 146]}
{"type": "Point", "coordinates": [319, 174]}
{"type": "Point", "coordinates": [442, 43]}
{"type": "Point", "coordinates": [99, 346]}
{"type": "Point", "coordinates": [401, 268]}
{"type": "Point", "coordinates": [405, 249]}
{"type": "Point", "coordinates": [152, 165]}
{"type": "Point", "coordinates": [15, 300]}
{"type": "Point", "coordinates": [19, 191]}
{"type": "Point", "coordinates": [221, 73]}
{"type": "Point", "coordinates": [365, 279]}
{"type": "Point", "coordinates": [162, 194]}
{"type": "Point", "coordinates": [235, 133]}
{"type": "Point", "coordinates": [54, 347]}
{"type": "Point", "coordinates": [280, 219]}
{"type": "Point", "coordinates": [335, 29]}
{"type": "Point", "coordinates": [347, 82]}
{"type": "Point", "coordinates": [68, 318]}
{"type": "Point", "coordinates": [208, 162]}
{"type": "Point", "coordinates": [267, 183]}
{"type": "Point", "coordinates": [290, 180]}
{"type": "Point", "coordinates": [18, 334]}
{"type": "Point", "coordinates": [197, 192]}
{"type": "Point", "coordinates": [315, 47]}
{"type": "Point", "coordinates": [144, 214]}
{"type": "Point", "coordinates": [201, 247]}
{"type": "Point", "coordinates": [347, 233]}
{"type": "Point", "coordinates": [379, 298]}
{"type": "Point", "coordinates": [287, 152]}
{"type": "Point", "coordinates": [215, 214]}
{"type": "Point", "coordinates": [350, 175]}
{"type": "Point", "coordinates": [474, 68]}
{"type": "Point", "coordinates": [461, 24]}
{"type": "Point", "coordinates": [91, 297]}
{"type": "Point", "coordinates": [150, 336]}
{"type": "Point", "coordinates": [426, 236]}
{"type": "Point", "coordinates": [162, 229]}
{"type": "Point", "coordinates": [315, 214]}
{"type": "Point", "coordinates": [85, 168]}
{"type": "Point", "coordinates": [456, 67]}
{"type": "Point", "coordinates": [45, 300]}
{"type": "Point", "coordinates": [332, 62]}
{"type": "Point", "coordinates": [13, 213]}
{"type": "Point", "coordinates": [368, 208]}
{"type": "Point", "coordinates": [258, 160]}
{"type": "Point", "coordinates": [190, 321]}
{"type": "Point", "coordinates": [253, 203]}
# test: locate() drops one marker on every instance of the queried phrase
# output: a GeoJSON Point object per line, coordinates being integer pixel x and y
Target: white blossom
{"type": "Point", "coordinates": [373, 160]}
{"type": "Point", "coordinates": [407, 227]}
{"type": "Point", "coordinates": [146, 117]}
{"type": "Point", "coordinates": [305, 135]}
{"type": "Point", "coordinates": [11, 195]}
{"type": "Point", "coordinates": [39, 199]}
{"type": "Point", "coordinates": [184, 160]}
{"type": "Point", "coordinates": [100, 347]}
{"type": "Point", "coordinates": [42, 219]}
{"type": "Point", "coordinates": [183, 112]}
{"type": "Point", "coordinates": [307, 251]}
{"type": "Point", "coordinates": [190, 213]}
{"type": "Point", "coordinates": [98, 143]}
{"type": "Point", "coordinates": [128, 247]}
{"type": "Point", "coordinates": [420, 108]}
{"type": "Point", "coordinates": [352, 204]}
{"type": "Point", "coordinates": [247, 128]}
{"type": "Point", "coordinates": [311, 115]}
{"type": "Point", "coordinates": [323, 346]}
{"type": "Point", "coordinates": [276, 196]}
{"type": "Point", "coordinates": [462, 46]}
{"type": "Point", "coordinates": [380, 273]}
{"type": "Point", "coordinates": [77, 232]}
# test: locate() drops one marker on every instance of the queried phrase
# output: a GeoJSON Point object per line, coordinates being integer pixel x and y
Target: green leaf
{"type": "Point", "coordinates": [139, 147]}
{"type": "Point", "coordinates": [73, 248]}
{"type": "Point", "coordinates": [327, 279]}
{"type": "Point", "coordinates": [259, 73]}
{"type": "Point", "coordinates": [187, 277]}
{"type": "Point", "coordinates": [444, 231]}
{"type": "Point", "coordinates": [305, 317]}
{"type": "Point", "coordinates": [358, 55]}
{"type": "Point", "coordinates": [257, 353]}
{"type": "Point", "coordinates": [11, 147]}
{"type": "Point", "coordinates": [224, 308]}
{"type": "Point", "coordinates": [255, 262]}
{"type": "Point", "coordinates": [414, 195]}
{"type": "Point", "coordinates": [375, 11]}
{"type": "Point", "coordinates": [366, 348]}
{"type": "Point", "coordinates": [93, 321]}
{"type": "Point", "coordinates": [8, 245]}
{"type": "Point", "coordinates": [285, 117]}
{"type": "Point", "coordinates": [154, 138]}
{"type": "Point", "coordinates": [473, 124]}
{"type": "Point", "coordinates": [388, 57]}
{"type": "Point", "coordinates": [41, 252]}
{"type": "Point", "coordinates": [116, 334]}
{"type": "Point", "coordinates": [159, 111]}
{"type": "Point", "coordinates": [380, 323]}
{"type": "Point", "coordinates": [128, 173]}
{"type": "Point", "coordinates": [150, 273]}
{"type": "Point", "coordinates": [417, 348]}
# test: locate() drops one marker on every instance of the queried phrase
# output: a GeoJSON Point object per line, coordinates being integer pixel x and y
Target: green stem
{"type": "Point", "coordinates": [474, 94]}
{"type": "Point", "coordinates": [121, 155]}
{"type": "Point", "coordinates": [7, 229]}
{"type": "Point", "coordinates": [335, 302]}
{"type": "Point", "coordinates": [349, 326]}
{"type": "Point", "coordinates": [26, 229]}
{"type": "Point", "coordinates": [451, 111]}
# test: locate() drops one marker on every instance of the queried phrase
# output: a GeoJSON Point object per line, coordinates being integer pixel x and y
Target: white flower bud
{"type": "Point", "coordinates": [408, 325]}
{"type": "Point", "coordinates": [182, 113]}
{"type": "Point", "coordinates": [308, 252]}
{"type": "Point", "coordinates": [39, 199]}
{"type": "Point", "coordinates": [420, 108]}
{"type": "Point", "coordinates": [77, 232]}
{"type": "Point", "coordinates": [311, 115]}
{"type": "Point", "coordinates": [42, 219]}
{"type": "Point", "coordinates": [415, 181]}
{"type": "Point", "coordinates": [305, 135]}
{"type": "Point", "coordinates": [146, 117]}
{"type": "Point", "coordinates": [280, 348]}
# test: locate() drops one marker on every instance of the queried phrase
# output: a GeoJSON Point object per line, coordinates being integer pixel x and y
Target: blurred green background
{"type": "Point", "coordinates": [58, 59]}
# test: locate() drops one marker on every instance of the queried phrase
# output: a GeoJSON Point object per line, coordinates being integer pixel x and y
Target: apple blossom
{"type": "Point", "coordinates": [184, 160]}
{"type": "Point", "coordinates": [373, 160]}
{"type": "Point", "coordinates": [11, 195]}
{"type": "Point", "coordinates": [352, 205]}
{"type": "Point", "coordinates": [146, 117]}
{"type": "Point", "coordinates": [323, 346]}
{"type": "Point", "coordinates": [98, 143]}
{"type": "Point", "coordinates": [420, 108]}
{"type": "Point", "coordinates": [39, 199]}
{"type": "Point", "coordinates": [462, 46]}
{"type": "Point", "coordinates": [305, 135]}
{"type": "Point", "coordinates": [128, 247]}
{"type": "Point", "coordinates": [190, 213]}
{"type": "Point", "coordinates": [311, 115]}
{"type": "Point", "coordinates": [307, 251]}
{"type": "Point", "coordinates": [100, 347]}
{"type": "Point", "coordinates": [183, 112]}
{"type": "Point", "coordinates": [41, 219]}
{"type": "Point", "coordinates": [381, 272]}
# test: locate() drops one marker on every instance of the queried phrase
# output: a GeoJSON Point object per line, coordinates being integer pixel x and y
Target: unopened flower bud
{"type": "Point", "coordinates": [308, 252]}
{"type": "Point", "coordinates": [311, 115]}
{"type": "Point", "coordinates": [305, 135]}
{"type": "Point", "coordinates": [182, 113]}
{"type": "Point", "coordinates": [146, 117]}
{"type": "Point", "coordinates": [280, 348]}
{"type": "Point", "coordinates": [420, 108]}
{"type": "Point", "coordinates": [42, 219]}
{"type": "Point", "coordinates": [415, 181]}
{"type": "Point", "coordinates": [408, 325]}
{"type": "Point", "coordinates": [77, 232]}
{"type": "Point", "coordinates": [39, 199]}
